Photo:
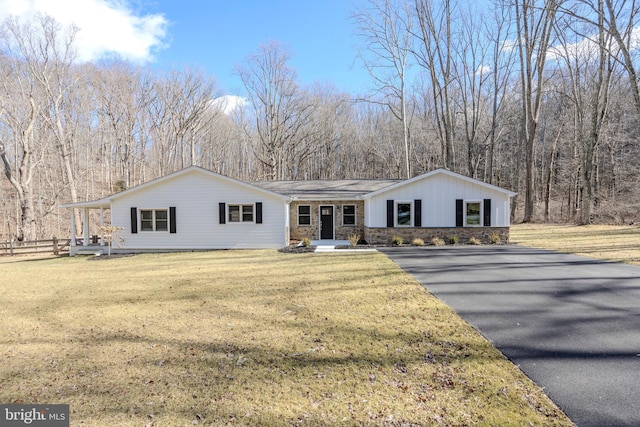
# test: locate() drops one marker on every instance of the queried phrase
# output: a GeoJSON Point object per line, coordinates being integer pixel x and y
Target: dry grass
{"type": "Point", "coordinates": [609, 242]}
{"type": "Point", "coordinates": [250, 338]}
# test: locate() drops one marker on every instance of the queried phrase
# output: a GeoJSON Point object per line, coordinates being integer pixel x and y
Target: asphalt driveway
{"type": "Point", "coordinates": [571, 323]}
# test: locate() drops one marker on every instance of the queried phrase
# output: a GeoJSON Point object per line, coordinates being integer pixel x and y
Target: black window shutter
{"type": "Point", "coordinates": [134, 220]}
{"type": "Point", "coordinates": [390, 214]}
{"type": "Point", "coordinates": [172, 219]}
{"type": "Point", "coordinates": [258, 212]}
{"type": "Point", "coordinates": [487, 212]}
{"type": "Point", "coordinates": [417, 216]}
{"type": "Point", "coordinates": [459, 213]}
{"type": "Point", "coordinates": [222, 212]}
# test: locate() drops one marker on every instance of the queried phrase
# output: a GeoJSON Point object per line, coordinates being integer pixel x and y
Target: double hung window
{"type": "Point", "coordinates": [348, 215]}
{"type": "Point", "coordinates": [304, 215]}
{"type": "Point", "coordinates": [154, 220]}
{"type": "Point", "coordinates": [241, 213]}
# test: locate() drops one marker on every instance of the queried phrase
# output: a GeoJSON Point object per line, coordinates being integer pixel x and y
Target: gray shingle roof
{"type": "Point", "coordinates": [326, 189]}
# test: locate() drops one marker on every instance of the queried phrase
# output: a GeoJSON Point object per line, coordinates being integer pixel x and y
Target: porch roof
{"type": "Point", "coordinates": [344, 189]}
{"type": "Point", "coordinates": [92, 204]}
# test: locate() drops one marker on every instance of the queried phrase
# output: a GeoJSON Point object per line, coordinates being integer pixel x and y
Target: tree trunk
{"type": "Point", "coordinates": [535, 25]}
{"type": "Point", "coordinates": [23, 186]}
{"type": "Point", "coordinates": [599, 107]}
{"type": "Point", "coordinates": [552, 157]}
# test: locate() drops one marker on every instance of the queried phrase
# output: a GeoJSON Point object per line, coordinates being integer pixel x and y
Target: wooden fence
{"type": "Point", "coordinates": [15, 247]}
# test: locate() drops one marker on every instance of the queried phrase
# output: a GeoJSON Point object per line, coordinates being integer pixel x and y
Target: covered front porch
{"type": "Point", "coordinates": [93, 239]}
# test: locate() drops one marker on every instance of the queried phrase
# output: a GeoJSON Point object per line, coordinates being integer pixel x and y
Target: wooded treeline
{"type": "Point", "coordinates": [537, 96]}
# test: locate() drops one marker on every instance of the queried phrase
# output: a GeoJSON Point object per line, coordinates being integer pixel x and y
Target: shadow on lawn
{"type": "Point", "coordinates": [133, 377]}
{"type": "Point", "coordinates": [170, 353]}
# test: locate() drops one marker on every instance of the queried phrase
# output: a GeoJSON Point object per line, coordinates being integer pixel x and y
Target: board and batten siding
{"type": "Point", "coordinates": [196, 197]}
{"type": "Point", "coordinates": [438, 194]}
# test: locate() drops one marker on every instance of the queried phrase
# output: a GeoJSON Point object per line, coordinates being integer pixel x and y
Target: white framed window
{"type": "Point", "coordinates": [472, 213]}
{"type": "Point", "coordinates": [154, 220]}
{"type": "Point", "coordinates": [404, 214]}
{"type": "Point", "coordinates": [241, 213]}
{"type": "Point", "coordinates": [348, 214]}
{"type": "Point", "coordinates": [304, 215]}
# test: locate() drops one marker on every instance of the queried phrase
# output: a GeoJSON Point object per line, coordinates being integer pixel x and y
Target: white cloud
{"type": "Point", "coordinates": [229, 103]}
{"type": "Point", "coordinates": [106, 27]}
{"type": "Point", "coordinates": [483, 69]}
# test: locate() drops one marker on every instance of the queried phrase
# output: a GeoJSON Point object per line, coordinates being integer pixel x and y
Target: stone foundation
{"type": "Point", "coordinates": [383, 236]}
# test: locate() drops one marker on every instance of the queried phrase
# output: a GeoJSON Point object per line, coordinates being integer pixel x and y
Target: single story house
{"type": "Point", "coordinates": [195, 209]}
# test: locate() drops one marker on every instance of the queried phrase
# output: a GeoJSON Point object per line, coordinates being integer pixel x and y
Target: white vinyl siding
{"type": "Point", "coordinates": [196, 195]}
{"type": "Point", "coordinates": [438, 193]}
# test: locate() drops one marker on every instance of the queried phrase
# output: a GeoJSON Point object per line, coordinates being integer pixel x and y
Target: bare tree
{"type": "Point", "coordinates": [47, 51]}
{"type": "Point", "coordinates": [121, 96]}
{"type": "Point", "coordinates": [220, 143]}
{"type": "Point", "coordinates": [179, 104]}
{"type": "Point", "coordinates": [332, 138]}
{"type": "Point", "coordinates": [387, 27]}
{"type": "Point", "coordinates": [619, 20]}
{"type": "Point", "coordinates": [501, 61]}
{"type": "Point", "coordinates": [535, 20]}
{"type": "Point", "coordinates": [20, 109]}
{"type": "Point", "coordinates": [434, 54]}
{"type": "Point", "coordinates": [280, 107]}
{"type": "Point", "coordinates": [590, 67]}
{"type": "Point", "coordinates": [472, 54]}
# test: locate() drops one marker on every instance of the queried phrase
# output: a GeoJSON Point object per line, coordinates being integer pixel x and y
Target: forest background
{"type": "Point", "coordinates": [537, 96]}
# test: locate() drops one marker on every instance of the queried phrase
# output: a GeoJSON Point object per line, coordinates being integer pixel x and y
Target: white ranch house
{"type": "Point", "coordinates": [196, 209]}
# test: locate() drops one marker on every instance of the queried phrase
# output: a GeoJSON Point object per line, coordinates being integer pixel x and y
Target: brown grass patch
{"type": "Point", "coordinates": [609, 242]}
{"type": "Point", "coordinates": [250, 338]}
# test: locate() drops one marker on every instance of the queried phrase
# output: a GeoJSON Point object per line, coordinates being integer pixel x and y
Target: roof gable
{"type": "Point", "coordinates": [106, 201]}
{"type": "Point", "coordinates": [195, 169]}
{"type": "Point", "coordinates": [440, 172]}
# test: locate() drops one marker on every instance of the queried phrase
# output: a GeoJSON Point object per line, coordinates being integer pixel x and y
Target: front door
{"type": "Point", "coordinates": [326, 222]}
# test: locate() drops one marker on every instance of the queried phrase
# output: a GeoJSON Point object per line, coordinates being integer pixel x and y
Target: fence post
{"type": "Point", "coordinates": [11, 247]}
{"type": "Point", "coordinates": [56, 249]}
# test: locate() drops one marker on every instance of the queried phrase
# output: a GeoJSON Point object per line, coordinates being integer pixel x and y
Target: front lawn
{"type": "Point", "coordinates": [620, 243]}
{"type": "Point", "coordinates": [249, 338]}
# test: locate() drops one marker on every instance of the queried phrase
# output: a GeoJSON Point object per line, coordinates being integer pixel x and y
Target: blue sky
{"type": "Point", "coordinates": [213, 35]}
{"type": "Point", "coordinates": [219, 35]}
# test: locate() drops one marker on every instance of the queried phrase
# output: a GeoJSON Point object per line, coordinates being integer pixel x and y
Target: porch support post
{"type": "Point", "coordinates": [73, 227]}
{"type": "Point", "coordinates": [102, 225]}
{"type": "Point", "coordinates": [85, 228]}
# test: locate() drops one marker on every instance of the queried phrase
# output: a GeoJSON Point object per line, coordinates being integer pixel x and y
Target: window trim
{"type": "Point", "coordinates": [465, 208]}
{"type": "Point", "coordinates": [411, 213]}
{"type": "Point", "coordinates": [305, 215]}
{"type": "Point", "coordinates": [241, 213]}
{"type": "Point", "coordinates": [354, 214]}
{"type": "Point", "coordinates": [154, 220]}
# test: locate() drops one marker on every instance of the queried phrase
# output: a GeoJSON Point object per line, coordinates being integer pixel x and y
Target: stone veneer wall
{"type": "Point", "coordinates": [342, 232]}
{"type": "Point", "coordinates": [383, 236]}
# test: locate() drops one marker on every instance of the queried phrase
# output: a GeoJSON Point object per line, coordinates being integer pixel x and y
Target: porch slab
{"type": "Point", "coordinates": [87, 251]}
{"type": "Point", "coordinates": [332, 243]}
{"type": "Point", "coordinates": [330, 246]}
